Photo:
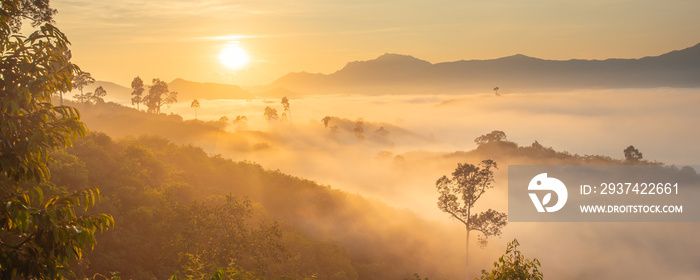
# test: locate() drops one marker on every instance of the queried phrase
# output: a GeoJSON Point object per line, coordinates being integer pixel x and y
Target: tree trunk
{"type": "Point", "coordinates": [467, 257]}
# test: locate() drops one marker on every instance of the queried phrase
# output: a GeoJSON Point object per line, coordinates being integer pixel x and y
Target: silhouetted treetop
{"type": "Point", "coordinates": [270, 114]}
{"type": "Point", "coordinates": [493, 136]}
{"type": "Point", "coordinates": [632, 154]}
{"type": "Point", "coordinates": [159, 95]}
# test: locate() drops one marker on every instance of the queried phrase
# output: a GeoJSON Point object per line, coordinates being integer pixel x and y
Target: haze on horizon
{"type": "Point", "coordinates": [119, 40]}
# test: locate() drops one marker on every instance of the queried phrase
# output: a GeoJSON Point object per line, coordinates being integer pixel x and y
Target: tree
{"type": "Point", "coordinates": [285, 104]}
{"type": "Point", "coordinates": [81, 80]}
{"type": "Point", "coordinates": [632, 154]}
{"type": "Point", "coordinates": [493, 136]}
{"type": "Point", "coordinates": [39, 238]}
{"type": "Point", "coordinates": [93, 98]}
{"type": "Point", "coordinates": [359, 129]}
{"type": "Point", "coordinates": [240, 122]}
{"type": "Point", "coordinates": [214, 235]}
{"type": "Point", "coordinates": [271, 114]}
{"type": "Point", "coordinates": [159, 95]}
{"type": "Point", "coordinates": [382, 132]}
{"type": "Point", "coordinates": [32, 69]}
{"type": "Point", "coordinates": [98, 96]}
{"type": "Point", "coordinates": [195, 105]}
{"type": "Point", "coordinates": [326, 120]}
{"type": "Point", "coordinates": [459, 194]}
{"type": "Point", "coordinates": [513, 266]}
{"type": "Point", "coordinates": [495, 90]}
{"type": "Point", "coordinates": [38, 11]}
{"type": "Point", "coordinates": [82, 98]}
{"type": "Point", "coordinates": [137, 86]}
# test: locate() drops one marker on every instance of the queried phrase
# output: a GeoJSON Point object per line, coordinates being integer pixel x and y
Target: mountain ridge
{"type": "Point", "coordinates": [392, 72]}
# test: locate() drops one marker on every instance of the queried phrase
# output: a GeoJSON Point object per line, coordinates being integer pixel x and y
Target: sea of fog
{"type": "Point", "coordinates": [661, 123]}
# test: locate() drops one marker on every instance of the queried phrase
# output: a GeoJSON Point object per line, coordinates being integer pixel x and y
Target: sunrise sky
{"type": "Point", "coordinates": [118, 40]}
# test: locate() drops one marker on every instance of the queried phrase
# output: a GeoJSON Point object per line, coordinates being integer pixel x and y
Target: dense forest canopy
{"type": "Point", "coordinates": [213, 212]}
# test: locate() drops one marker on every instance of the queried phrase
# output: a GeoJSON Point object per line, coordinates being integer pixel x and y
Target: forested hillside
{"type": "Point", "coordinates": [179, 210]}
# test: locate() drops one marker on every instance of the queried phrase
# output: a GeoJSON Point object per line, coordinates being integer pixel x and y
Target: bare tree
{"type": "Point", "coordinates": [459, 194]}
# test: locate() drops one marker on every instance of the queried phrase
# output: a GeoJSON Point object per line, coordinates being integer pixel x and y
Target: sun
{"type": "Point", "coordinates": [234, 57]}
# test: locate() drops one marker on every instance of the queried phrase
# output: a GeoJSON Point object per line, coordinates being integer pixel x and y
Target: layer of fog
{"type": "Point", "coordinates": [659, 122]}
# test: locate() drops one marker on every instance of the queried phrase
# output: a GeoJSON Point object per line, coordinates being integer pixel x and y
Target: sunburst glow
{"type": "Point", "coordinates": [234, 57]}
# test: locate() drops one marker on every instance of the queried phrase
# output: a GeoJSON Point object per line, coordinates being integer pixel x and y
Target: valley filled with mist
{"type": "Point", "coordinates": [380, 179]}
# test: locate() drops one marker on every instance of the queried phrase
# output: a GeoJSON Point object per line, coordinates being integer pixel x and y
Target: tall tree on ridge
{"type": "Point", "coordinates": [81, 80]}
{"type": "Point", "coordinates": [159, 95]}
{"type": "Point", "coordinates": [285, 104]}
{"type": "Point", "coordinates": [458, 195]}
{"type": "Point", "coordinates": [195, 105]}
{"type": "Point", "coordinates": [137, 86]}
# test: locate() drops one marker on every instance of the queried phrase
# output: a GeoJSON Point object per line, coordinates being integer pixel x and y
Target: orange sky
{"type": "Point", "coordinates": [118, 40]}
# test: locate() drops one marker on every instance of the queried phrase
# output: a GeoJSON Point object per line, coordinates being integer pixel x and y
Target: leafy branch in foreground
{"type": "Point", "coordinates": [40, 238]}
{"type": "Point", "coordinates": [514, 266]}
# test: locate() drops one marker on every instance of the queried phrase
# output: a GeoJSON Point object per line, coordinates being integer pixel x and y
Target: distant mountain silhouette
{"type": "Point", "coordinates": [394, 73]}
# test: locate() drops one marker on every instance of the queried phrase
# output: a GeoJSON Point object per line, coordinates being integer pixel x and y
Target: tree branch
{"type": "Point", "coordinates": [25, 241]}
{"type": "Point", "coordinates": [458, 218]}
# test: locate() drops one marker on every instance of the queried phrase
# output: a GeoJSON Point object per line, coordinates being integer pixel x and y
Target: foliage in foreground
{"type": "Point", "coordinates": [39, 237]}
{"type": "Point", "coordinates": [514, 266]}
